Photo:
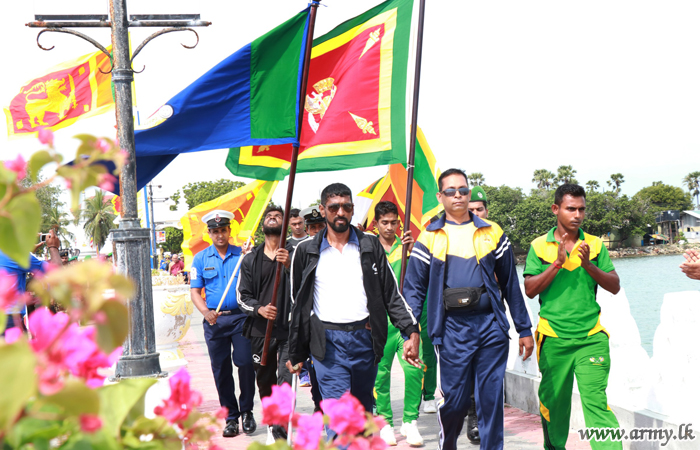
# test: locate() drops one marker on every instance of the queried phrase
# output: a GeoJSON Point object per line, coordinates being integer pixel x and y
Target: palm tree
{"type": "Point", "coordinates": [543, 178]}
{"type": "Point", "coordinates": [593, 185]}
{"type": "Point", "coordinates": [59, 220]}
{"type": "Point", "coordinates": [475, 179]}
{"type": "Point", "coordinates": [692, 180]}
{"type": "Point", "coordinates": [98, 219]}
{"type": "Point", "coordinates": [565, 175]}
{"type": "Point", "coordinates": [616, 181]}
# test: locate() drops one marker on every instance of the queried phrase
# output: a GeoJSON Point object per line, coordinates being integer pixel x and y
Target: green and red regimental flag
{"type": "Point", "coordinates": [392, 187]}
{"type": "Point", "coordinates": [68, 92]}
{"type": "Point", "coordinates": [247, 204]}
{"type": "Point", "coordinates": [355, 112]}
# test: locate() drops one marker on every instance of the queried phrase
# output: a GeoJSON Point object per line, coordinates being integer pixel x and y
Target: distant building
{"type": "Point", "coordinates": [670, 223]}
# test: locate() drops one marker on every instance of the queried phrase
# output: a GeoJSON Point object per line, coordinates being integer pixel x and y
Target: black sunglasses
{"type": "Point", "coordinates": [335, 207]}
{"type": "Point", "coordinates": [450, 192]}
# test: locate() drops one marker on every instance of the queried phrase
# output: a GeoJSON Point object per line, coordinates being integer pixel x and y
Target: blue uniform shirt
{"type": "Point", "coordinates": [211, 273]}
{"type": "Point", "coordinates": [20, 273]}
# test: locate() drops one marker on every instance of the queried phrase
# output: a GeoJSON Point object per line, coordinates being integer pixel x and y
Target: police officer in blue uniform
{"type": "Point", "coordinates": [211, 271]}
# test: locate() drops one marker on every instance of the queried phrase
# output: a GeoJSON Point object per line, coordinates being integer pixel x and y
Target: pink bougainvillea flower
{"type": "Point", "coordinates": [17, 165]}
{"type": "Point", "coordinates": [8, 290]}
{"type": "Point", "coordinates": [122, 157]}
{"type": "Point", "coordinates": [182, 399]}
{"type": "Point", "coordinates": [46, 136]}
{"type": "Point", "coordinates": [12, 334]}
{"type": "Point", "coordinates": [69, 183]}
{"type": "Point", "coordinates": [106, 181]}
{"type": "Point", "coordinates": [89, 423]}
{"type": "Point", "coordinates": [278, 407]}
{"type": "Point", "coordinates": [103, 145]}
{"type": "Point", "coordinates": [379, 422]}
{"type": "Point", "coordinates": [222, 413]}
{"type": "Point", "coordinates": [347, 415]}
{"type": "Point", "coordinates": [308, 431]}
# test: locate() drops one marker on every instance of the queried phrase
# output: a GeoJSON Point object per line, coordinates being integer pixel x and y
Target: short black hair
{"type": "Point", "coordinates": [449, 172]}
{"type": "Point", "coordinates": [271, 208]}
{"type": "Point", "coordinates": [294, 213]}
{"type": "Point", "coordinates": [383, 208]}
{"type": "Point", "coordinates": [573, 190]}
{"type": "Point", "coordinates": [335, 189]}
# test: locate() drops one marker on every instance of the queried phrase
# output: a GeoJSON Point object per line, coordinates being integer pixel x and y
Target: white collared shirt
{"type": "Point", "coordinates": [339, 291]}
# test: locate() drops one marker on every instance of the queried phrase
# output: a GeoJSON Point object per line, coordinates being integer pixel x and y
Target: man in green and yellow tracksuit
{"type": "Point", "coordinates": [387, 217]}
{"type": "Point", "coordinates": [565, 267]}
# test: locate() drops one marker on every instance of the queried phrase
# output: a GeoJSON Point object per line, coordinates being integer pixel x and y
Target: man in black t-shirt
{"type": "Point", "coordinates": [255, 285]}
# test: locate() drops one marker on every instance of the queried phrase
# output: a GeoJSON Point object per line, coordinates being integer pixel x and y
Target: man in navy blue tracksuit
{"type": "Point", "coordinates": [342, 290]}
{"type": "Point", "coordinates": [453, 263]}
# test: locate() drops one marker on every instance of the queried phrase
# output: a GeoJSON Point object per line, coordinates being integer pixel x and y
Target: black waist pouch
{"type": "Point", "coordinates": [462, 298]}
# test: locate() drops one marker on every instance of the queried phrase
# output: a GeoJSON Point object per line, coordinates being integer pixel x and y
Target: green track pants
{"type": "Point", "coordinates": [413, 380]}
{"type": "Point", "coordinates": [559, 360]}
{"type": "Point", "coordinates": [429, 358]}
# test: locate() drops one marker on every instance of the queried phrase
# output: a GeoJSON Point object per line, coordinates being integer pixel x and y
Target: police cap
{"type": "Point", "coordinates": [311, 215]}
{"type": "Point", "coordinates": [217, 218]}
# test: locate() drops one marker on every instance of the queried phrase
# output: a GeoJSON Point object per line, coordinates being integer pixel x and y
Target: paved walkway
{"type": "Point", "coordinates": [522, 430]}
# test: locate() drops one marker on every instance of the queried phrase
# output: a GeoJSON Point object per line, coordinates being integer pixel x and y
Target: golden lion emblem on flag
{"type": "Point", "coordinates": [48, 96]}
{"type": "Point", "coordinates": [318, 104]}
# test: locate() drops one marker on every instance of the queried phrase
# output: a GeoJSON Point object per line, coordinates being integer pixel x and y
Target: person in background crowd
{"type": "Point", "coordinates": [565, 267]}
{"type": "Point", "coordinates": [16, 313]}
{"type": "Point", "coordinates": [177, 266]}
{"type": "Point", "coordinates": [212, 268]}
{"type": "Point", "coordinates": [386, 215]}
{"type": "Point", "coordinates": [296, 224]}
{"type": "Point", "coordinates": [165, 262]}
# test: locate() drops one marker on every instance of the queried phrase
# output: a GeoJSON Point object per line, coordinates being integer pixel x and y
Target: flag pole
{"type": "Point", "coordinates": [412, 142]}
{"type": "Point", "coordinates": [292, 172]}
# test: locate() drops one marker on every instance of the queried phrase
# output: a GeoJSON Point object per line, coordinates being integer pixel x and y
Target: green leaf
{"type": "Point", "coordinates": [30, 429]}
{"type": "Point", "coordinates": [19, 226]}
{"type": "Point", "coordinates": [18, 380]}
{"type": "Point", "coordinates": [112, 333]}
{"type": "Point", "coordinates": [117, 400]}
{"type": "Point", "coordinates": [3, 321]}
{"type": "Point", "coordinates": [75, 398]}
{"type": "Point", "coordinates": [37, 162]}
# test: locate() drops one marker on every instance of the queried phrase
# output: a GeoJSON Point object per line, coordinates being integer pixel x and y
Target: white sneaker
{"type": "Point", "coordinates": [270, 437]}
{"type": "Point", "coordinates": [430, 407]}
{"type": "Point", "coordinates": [387, 435]}
{"type": "Point", "coordinates": [410, 432]}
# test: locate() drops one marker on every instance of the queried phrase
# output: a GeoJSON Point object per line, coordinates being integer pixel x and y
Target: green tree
{"type": "Point", "coordinates": [49, 199]}
{"type": "Point", "coordinates": [565, 174]}
{"type": "Point", "coordinates": [176, 200]}
{"type": "Point", "coordinates": [692, 182]}
{"type": "Point", "coordinates": [662, 197]}
{"type": "Point", "coordinates": [99, 219]}
{"type": "Point", "coordinates": [501, 204]}
{"type": "Point", "coordinates": [615, 182]}
{"type": "Point", "coordinates": [607, 212]}
{"type": "Point", "coordinates": [203, 191]}
{"type": "Point", "coordinates": [533, 218]}
{"type": "Point", "coordinates": [173, 240]}
{"type": "Point", "coordinates": [543, 178]}
{"type": "Point", "coordinates": [475, 179]}
{"type": "Point", "coordinates": [592, 185]}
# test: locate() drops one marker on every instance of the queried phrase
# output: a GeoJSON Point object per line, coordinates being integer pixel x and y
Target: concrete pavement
{"type": "Point", "coordinates": [523, 431]}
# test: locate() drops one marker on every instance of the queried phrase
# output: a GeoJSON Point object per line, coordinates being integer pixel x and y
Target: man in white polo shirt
{"type": "Point", "coordinates": [342, 290]}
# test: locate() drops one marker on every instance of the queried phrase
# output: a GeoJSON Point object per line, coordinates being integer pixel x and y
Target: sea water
{"type": "Point", "coordinates": [646, 279]}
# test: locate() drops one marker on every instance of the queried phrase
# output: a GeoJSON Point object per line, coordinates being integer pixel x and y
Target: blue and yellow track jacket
{"type": "Point", "coordinates": [425, 275]}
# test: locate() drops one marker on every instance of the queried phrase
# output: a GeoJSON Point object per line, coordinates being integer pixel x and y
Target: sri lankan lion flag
{"type": "Point", "coordinates": [355, 101]}
{"type": "Point", "coordinates": [424, 203]}
{"type": "Point", "coordinates": [247, 204]}
{"type": "Point", "coordinates": [70, 91]}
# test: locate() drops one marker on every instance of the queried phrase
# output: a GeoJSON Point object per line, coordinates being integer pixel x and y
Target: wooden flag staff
{"type": "Point", "coordinates": [292, 173]}
{"type": "Point", "coordinates": [412, 142]}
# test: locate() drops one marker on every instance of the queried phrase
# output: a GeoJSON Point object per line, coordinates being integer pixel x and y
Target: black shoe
{"type": "Point", "coordinates": [473, 429]}
{"type": "Point", "coordinates": [231, 429]}
{"type": "Point", "coordinates": [278, 432]}
{"type": "Point", "coordinates": [249, 424]}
